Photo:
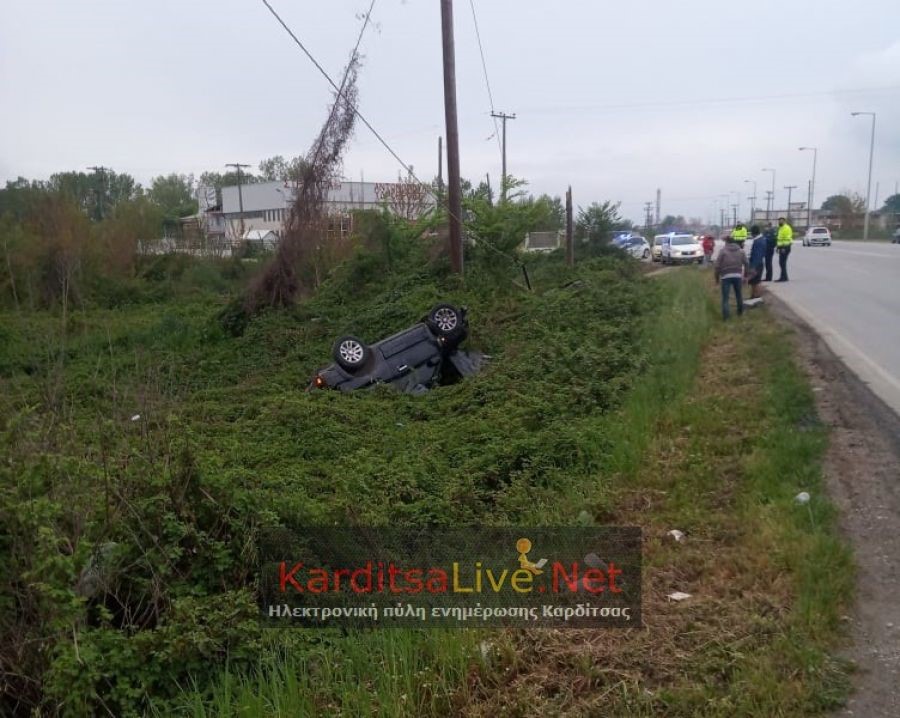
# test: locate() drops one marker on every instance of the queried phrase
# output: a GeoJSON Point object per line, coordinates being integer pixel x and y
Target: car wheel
{"type": "Point", "coordinates": [350, 353]}
{"type": "Point", "coordinates": [645, 254]}
{"type": "Point", "coordinates": [444, 319]}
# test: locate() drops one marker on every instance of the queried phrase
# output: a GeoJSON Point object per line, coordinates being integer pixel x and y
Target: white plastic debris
{"type": "Point", "coordinates": [136, 417]}
{"type": "Point", "coordinates": [802, 498]}
{"type": "Point", "coordinates": [676, 534]}
{"type": "Point", "coordinates": [485, 647]}
{"type": "Point", "coordinates": [679, 596]}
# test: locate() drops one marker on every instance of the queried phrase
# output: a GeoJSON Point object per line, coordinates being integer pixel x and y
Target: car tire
{"type": "Point", "coordinates": [350, 353]}
{"type": "Point", "coordinates": [444, 319]}
{"type": "Point", "coordinates": [646, 254]}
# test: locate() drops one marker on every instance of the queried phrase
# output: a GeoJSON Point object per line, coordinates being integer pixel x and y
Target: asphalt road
{"type": "Point", "coordinates": [850, 294]}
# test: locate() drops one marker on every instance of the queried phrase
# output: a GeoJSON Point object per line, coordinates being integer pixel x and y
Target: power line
{"type": "Point", "coordinates": [428, 188]}
{"type": "Point", "coordinates": [487, 82]}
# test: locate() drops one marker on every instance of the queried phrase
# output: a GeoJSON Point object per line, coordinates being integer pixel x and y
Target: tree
{"type": "Point", "coordinates": [174, 195]}
{"type": "Point", "coordinates": [671, 222]}
{"type": "Point", "coordinates": [595, 223]}
{"type": "Point", "coordinates": [892, 204]}
{"type": "Point", "coordinates": [277, 169]}
{"type": "Point", "coordinates": [96, 193]}
{"type": "Point", "coordinates": [550, 213]}
{"type": "Point", "coordinates": [218, 180]}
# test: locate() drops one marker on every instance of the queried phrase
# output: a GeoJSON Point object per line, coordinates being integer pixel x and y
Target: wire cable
{"type": "Point", "coordinates": [487, 82]}
{"type": "Point", "coordinates": [340, 96]}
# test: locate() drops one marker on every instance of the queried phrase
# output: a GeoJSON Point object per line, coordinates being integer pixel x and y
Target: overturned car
{"type": "Point", "coordinates": [412, 361]}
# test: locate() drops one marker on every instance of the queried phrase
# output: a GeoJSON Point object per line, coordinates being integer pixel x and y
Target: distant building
{"type": "Point", "coordinates": [266, 205]}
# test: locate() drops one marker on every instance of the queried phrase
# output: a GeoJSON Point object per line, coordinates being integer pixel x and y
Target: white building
{"type": "Point", "coordinates": [266, 205]}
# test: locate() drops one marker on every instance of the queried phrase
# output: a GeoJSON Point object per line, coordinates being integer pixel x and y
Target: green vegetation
{"type": "Point", "coordinates": [145, 445]}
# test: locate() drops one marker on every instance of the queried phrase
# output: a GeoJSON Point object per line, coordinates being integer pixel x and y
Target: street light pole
{"type": "Point", "coordinates": [769, 169]}
{"type": "Point", "coordinates": [869, 185]}
{"type": "Point", "coordinates": [812, 185]}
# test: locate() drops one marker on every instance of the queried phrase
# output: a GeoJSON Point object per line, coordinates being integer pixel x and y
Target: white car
{"type": "Point", "coordinates": [682, 249]}
{"type": "Point", "coordinates": [817, 235]}
{"type": "Point", "coordinates": [635, 246]}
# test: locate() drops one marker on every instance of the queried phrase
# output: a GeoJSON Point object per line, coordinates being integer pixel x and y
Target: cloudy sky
{"type": "Point", "coordinates": [614, 98]}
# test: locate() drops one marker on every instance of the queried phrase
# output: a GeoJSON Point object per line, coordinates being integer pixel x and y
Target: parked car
{"type": "Point", "coordinates": [413, 360]}
{"type": "Point", "coordinates": [635, 246]}
{"type": "Point", "coordinates": [817, 236]}
{"type": "Point", "coordinates": [682, 249]}
{"type": "Point", "coordinates": [659, 241]}
{"type": "Point", "coordinates": [895, 237]}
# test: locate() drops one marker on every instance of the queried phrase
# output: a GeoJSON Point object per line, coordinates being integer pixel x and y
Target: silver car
{"type": "Point", "coordinates": [634, 245]}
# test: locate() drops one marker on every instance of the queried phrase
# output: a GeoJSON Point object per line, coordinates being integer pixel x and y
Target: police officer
{"type": "Point", "coordinates": [770, 236]}
{"type": "Point", "coordinates": [783, 241]}
{"type": "Point", "coordinates": [739, 234]}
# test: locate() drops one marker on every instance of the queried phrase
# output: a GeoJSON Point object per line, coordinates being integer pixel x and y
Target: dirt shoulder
{"type": "Point", "coordinates": [862, 469]}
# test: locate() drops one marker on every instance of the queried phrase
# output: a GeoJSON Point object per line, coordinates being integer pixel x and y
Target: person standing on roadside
{"type": "Point", "coordinates": [757, 261]}
{"type": "Point", "coordinates": [771, 242]}
{"type": "Point", "coordinates": [731, 267]}
{"type": "Point", "coordinates": [709, 245]}
{"type": "Point", "coordinates": [739, 234]}
{"type": "Point", "coordinates": [783, 241]}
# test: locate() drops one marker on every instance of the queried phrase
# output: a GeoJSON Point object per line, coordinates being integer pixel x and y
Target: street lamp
{"type": "Point", "coordinates": [871, 156]}
{"type": "Point", "coordinates": [812, 184]}
{"type": "Point", "coordinates": [752, 199]}
{"type": "Point", "coordinates": [769, 169]}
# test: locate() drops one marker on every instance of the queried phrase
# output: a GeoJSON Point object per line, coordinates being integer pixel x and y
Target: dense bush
{"type": "Point", "coordinates": [146, 445]}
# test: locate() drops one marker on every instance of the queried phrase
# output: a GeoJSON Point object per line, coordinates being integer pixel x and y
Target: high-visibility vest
{"type": "Point", "coordinates": [785, 235]}
{"type": "Point", "coordinates": [739, 234]}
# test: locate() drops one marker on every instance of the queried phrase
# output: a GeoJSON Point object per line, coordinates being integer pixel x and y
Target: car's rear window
{"type": "Point", "coordinates": [683, 240]}
{"type": "Point", "coordinates": [820, 230]}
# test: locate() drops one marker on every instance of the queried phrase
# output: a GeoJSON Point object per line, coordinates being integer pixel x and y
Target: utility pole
{"type": "Point", "coordinates": [768, 205]}
{"type": "Point", "coordinates": [722, 218]}
{"type": "Point", "coordinates": [454, 193]}
{"type": "Point", "coordinates": [238, 166]}
{"type": "Point", "coordinates": [812, 184]}
{"type": "Point", "coordinates": [648, 215]}
{"type": "Point", "coordinates": [790, 188]}
{"type": "Point", "coordinates": [570, 234]}
{"type": "Point", "coordinates": [871, 157]}
{"type": "Point", "coordinates": [440, 165]}
{"type": "Point", "coordinates": [99, 171]}
{"type": "Point", "coordinates": [658, 203]}
{"type": "Point", "coordinates": [774, 208]}
{"type": "Point", "coordinates": [504, 117]}
{"type": "Point", "coordinates": [734, 209]}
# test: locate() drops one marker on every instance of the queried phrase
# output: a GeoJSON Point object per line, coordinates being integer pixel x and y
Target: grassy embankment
{"type": "Point", "coordinates": [619, 396]}
{"type": "Point", "coordinates": [715, 439]}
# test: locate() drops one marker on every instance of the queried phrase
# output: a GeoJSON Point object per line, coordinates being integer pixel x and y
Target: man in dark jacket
{"type": "Point", "coordinates": [731, 268]}
{"type": "Point", "coordinates": [771, 241]}
{"type": "Point", "coordinates": [757, 261]}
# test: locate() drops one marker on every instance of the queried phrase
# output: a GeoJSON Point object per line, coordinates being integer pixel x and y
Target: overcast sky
{"type": "Point", "coordinates": [616, 98]}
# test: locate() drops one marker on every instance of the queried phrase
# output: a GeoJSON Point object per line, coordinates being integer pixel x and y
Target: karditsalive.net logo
{"type": "Point", "coordinates": [447, 577]}
{"type": "Point", "coordinates": [460, 577]}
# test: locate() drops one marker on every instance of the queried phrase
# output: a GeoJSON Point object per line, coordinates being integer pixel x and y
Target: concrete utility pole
{"type": "Point", "coordinates": [752, 199]}
{"type": "Point", "coordinates": [440, 165]}
{"type": "Point", "coordinates": [871, 157]}
{"type": "Point", "coordinates": [658, 203]}
{"type": "Point", "coordinates": [454, 193]}
{"type": "Point", "coordinates": [238, 166]}
{"type": "Point", "coordinates": [734, 209]}
{"type": "Point", "coordinates": [812, 184]}
{"type": "Point", "coordinates": [774, 208]}
{"type": "Point", "coordinates": [790, 188]}
{"type": "Point", "coordinates": [504, 117]}
{"type": "Point", "coordinates": [570, 234]}
{"type": "Point", "coordinates": [768, 205]}
{"type": "Point", "coordinates": [648, 215]}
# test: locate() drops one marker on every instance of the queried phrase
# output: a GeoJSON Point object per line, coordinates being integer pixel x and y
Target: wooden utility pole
{"type": "Point", "coordinates": [570, 234]}
{"type": "Point", "coordinates": [238, 166]}
{"type": "Point", "coordinates": [503, 117]}
{"type": "Point", "coordinates": [454, 193]}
